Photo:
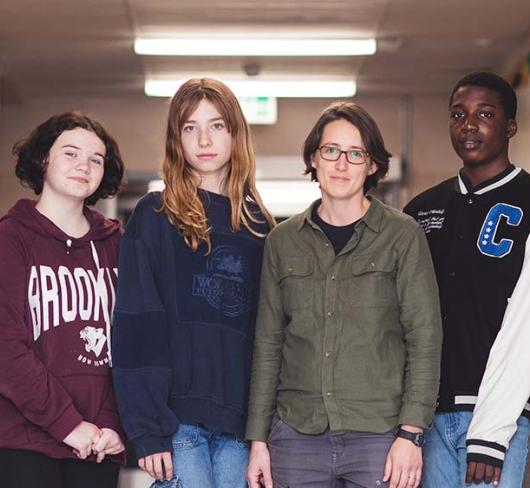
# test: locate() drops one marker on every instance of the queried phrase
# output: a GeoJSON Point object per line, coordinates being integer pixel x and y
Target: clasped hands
{"type": "Point", "coordinates": [88, 438]}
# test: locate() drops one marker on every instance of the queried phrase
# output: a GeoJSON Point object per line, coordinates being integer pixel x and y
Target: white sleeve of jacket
{"type": "Point", "coordinates": [505, 386]}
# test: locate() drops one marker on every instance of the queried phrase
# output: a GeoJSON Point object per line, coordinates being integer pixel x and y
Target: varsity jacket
{"type": "Point", "coordinates": [184, 325]}
{"type": "Point", "coordinates": [56, 299]}
{"type": "Point", "coordinates": [479, 243]}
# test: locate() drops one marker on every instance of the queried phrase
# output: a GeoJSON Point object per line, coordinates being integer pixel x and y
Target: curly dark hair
{"type": "Point", "coordinates": [32, 153]}
{"type": "Point", "coordinates": [370, 135]}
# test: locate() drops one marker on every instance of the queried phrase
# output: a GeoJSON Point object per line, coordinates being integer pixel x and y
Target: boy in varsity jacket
{"type": "Point", "coordinates": [477, 225]}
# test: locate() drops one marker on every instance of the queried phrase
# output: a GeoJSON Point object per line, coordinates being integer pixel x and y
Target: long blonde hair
{"type": "Point", "coordinates": [180, 199]}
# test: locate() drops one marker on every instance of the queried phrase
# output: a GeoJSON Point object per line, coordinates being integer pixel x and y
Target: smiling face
{"type": "Point", "coordinates": [207, 144]}
{"type": "Point", "coordinates": [75, 165]}
{"type": "Point", "coordinates": [340, 180]}
{"type": "Point", "coordinates": [479, 128]}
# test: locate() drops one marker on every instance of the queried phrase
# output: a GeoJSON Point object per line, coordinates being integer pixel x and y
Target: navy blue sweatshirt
{"type": "Point", "coordinates": [184, 325]}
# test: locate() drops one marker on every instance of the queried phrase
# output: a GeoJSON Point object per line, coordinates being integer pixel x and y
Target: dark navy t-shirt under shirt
{"type": "Point", "coordinates": [337, 235]}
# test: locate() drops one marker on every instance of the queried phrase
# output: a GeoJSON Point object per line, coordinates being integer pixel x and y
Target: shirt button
{"type": "Point", "coordinates": [470, 201]}
{"type": "Point", "coordinates": [326, 244]}
{"type": "Point", "coordinates": [333, 277]}
{"type": "Point", "coordinates": [327, 354]}
{"type": "Point", "coordinates": [372, 265]}
{"type": "Point", "coordinates": [330, 314]}
{"type": "Point", "coordinates": [290, 269]}
{"type": "Point", "coordinates": [452, 274]}
{"type": "Point", "coordinates": [328, 394]}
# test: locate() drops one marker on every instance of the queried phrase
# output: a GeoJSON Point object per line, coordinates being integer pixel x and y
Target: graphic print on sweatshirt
{"type": "Point", "coordinates": [79, 300]}
{"type": "Point", "coordinates": [488, 242]}
{"type": "Point", "coordinates": [432, 219]}
{"type": "Point", "coordinates": [223, 284]}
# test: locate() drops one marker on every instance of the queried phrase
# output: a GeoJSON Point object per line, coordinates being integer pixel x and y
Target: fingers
{"type": "Point", "coordinates": [419, 473]}
{"type": "Point", "coordinates": [168, 465]}
{"type": "Point", "coordinates": [481, 472]}
{"type": "Point", "coordinates": [470, 472]}
{"type": "Point", "coordinates": [267, 477]}
{"type": "Point", "coordinates": [158, 466]}
{"type": "Point", "coordinates": [146, 464]}
{"type": "Point", "coordinates": [100, 456]}
{"type": "Point", "coordinates": [84, 452]}
{"type": "Point", "coordinates": [102, 443]}
{"type": "Point", "coordinates": [388, 469]}
{"type": "Point", "coordinates": [497, 475]}
{"type": "Point", "coordinates": [488, 474]}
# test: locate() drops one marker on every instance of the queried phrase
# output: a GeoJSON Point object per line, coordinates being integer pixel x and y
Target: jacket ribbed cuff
{"type": "Point", "coordinates": [485, 452]}
{"type": "Point", "coordinates": [151, 444]}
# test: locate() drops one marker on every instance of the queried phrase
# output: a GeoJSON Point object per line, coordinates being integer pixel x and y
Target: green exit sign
{"type": "Point", "coordinates": [260, 110]}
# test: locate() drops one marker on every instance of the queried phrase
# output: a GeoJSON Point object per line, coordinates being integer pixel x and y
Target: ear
{"type": "Point", "coordinates": [44, 163]}
{"type": "Point", "coordinates": [313, 161]}
{"type": "Point", "coordinates": [512, 128]}
{"type": "Point", "coordinates": [372, 168]}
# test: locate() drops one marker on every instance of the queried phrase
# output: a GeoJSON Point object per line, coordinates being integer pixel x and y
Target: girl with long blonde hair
{"type": "Point", "coordinates": [186, 305]}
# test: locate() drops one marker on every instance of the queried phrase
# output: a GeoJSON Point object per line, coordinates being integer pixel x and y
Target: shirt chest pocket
{"type": "Point", "coordinates": [297, 283]}
{"type": "Point", "coordinates": [370, 282]}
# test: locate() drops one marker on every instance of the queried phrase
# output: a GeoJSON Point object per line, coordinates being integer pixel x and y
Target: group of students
{"type": "Point", "coordinates": [304, 354]}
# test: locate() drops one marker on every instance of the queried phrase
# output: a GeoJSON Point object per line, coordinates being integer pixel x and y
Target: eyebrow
{"type": "Point", "coordinates": [79, 149]}
{"type": "Point", "coordinates": [209, 120]}
{"type": "Point", "coordinates": [338, 145]}
{"type": "Point", "coordinates": [481, 104]}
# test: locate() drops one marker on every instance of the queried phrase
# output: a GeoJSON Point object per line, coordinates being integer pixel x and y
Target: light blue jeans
{"type": "Point", "coordinates": [202, 459]}
{"type": "Point", "coordinates": [444, 453]}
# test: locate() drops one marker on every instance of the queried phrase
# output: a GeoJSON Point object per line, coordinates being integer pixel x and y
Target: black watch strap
{"type": "Point", "coordinates": [418, 439]}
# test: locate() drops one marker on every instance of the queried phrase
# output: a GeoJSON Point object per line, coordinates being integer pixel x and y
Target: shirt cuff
{"type": "Point", "coordinates": [150, 444]}
{"type": "Point", "coordinates": [416, 414]}
{"type": "Point", "coordinates": [480, 451]}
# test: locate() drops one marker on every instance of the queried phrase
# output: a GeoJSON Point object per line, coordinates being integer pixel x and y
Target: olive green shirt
{"type": "Point", "coordinates": [351, 342]}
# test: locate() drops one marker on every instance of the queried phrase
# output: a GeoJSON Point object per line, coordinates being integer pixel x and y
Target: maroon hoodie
{"type": "Point", "coordinates": [56, 299]}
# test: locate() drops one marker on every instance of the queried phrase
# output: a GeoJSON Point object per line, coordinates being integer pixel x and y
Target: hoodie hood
{"type": "Point", "coordinates": [25, 213]}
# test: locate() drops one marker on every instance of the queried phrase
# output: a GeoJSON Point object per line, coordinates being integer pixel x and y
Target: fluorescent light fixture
{"type": "Point", "coordinates": [302, 88]}
{"type": "Point", "coordinates": [186, 46]}
{"type": "Point", "coordinates": [282, 198]}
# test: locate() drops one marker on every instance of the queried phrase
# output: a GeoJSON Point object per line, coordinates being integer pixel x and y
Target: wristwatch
{"type": "Point", "coordinates": [418, 439]}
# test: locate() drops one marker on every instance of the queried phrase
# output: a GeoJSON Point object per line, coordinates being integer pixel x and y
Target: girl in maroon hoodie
{"type": "Point", "coordinates": [58, 271]}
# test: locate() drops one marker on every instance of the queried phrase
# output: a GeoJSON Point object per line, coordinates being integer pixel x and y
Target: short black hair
{"type": "Point", "coordinates": [370, 135]}
{"type": "Point", "coordinates": [32, 153]}
{"type": "Point", "coordinates": [493, 82]}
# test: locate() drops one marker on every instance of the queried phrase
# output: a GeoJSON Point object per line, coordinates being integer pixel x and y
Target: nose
{"type": "Point", "coordinates": [470, 124]}
{"type": "Point", "coordinates": [83, 165]}
{"type": "Point", "coordinates": [204, 139]}
{"type": "Point", "coordinates": [342, 163]}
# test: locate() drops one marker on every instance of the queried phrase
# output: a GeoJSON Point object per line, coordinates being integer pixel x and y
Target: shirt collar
{"type": "Point", "coordinates": [464, 185]}
{"type": "Point", "coordinates": [372, 218]}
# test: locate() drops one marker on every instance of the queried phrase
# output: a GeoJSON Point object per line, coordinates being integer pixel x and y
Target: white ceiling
{"type": "Point", "coordinates": [52, 48]}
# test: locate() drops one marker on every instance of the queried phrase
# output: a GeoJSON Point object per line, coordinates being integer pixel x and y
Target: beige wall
{"type": "Point", "coordinates": [139, 123]}
{"type": "Point", "coordinates": [520, 145]}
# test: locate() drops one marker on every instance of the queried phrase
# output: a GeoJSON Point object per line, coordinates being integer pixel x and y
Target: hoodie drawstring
{"type": "Point", "coordinates": [102, 291]}
{"type": "Point", "coordinates": [95, 256]}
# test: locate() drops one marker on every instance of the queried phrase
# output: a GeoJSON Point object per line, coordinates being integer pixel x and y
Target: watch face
{"type": "Point", "coordinates": [420, 440]}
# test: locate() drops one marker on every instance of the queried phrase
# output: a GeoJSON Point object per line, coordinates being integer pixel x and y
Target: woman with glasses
{"type": "Point", "coordinates": [346, 359]}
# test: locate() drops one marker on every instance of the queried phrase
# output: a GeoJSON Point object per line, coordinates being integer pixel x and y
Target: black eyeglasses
{"type": "Point", "coordinates": [353, 156]}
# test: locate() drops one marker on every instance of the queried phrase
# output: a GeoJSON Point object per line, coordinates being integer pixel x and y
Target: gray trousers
{"type": "Point", "coordinates": [350, 460]}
